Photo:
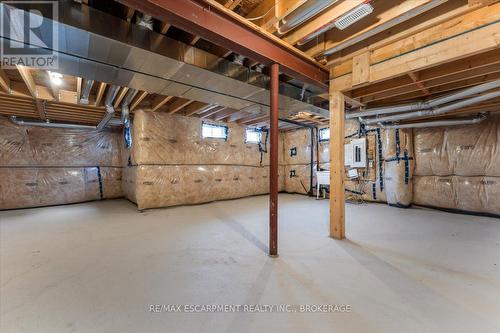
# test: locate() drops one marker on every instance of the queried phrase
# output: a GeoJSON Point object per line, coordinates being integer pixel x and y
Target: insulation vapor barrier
{"type": "Point", "coordinates": [37, 146]}
{"type": "Point", "coordinates": [171, 164]}
{"type": "Point", "coordinates": [154, 186]}
{"type": "Point", "coordinates": [458, 167]}
{"type": "Point", "coordinates": [34, 187]}
{"type": "Point", "coordinates": [43, 167]}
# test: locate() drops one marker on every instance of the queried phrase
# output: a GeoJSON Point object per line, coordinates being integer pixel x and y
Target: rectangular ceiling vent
{"type": "Point", "coordinates": [353, 16]}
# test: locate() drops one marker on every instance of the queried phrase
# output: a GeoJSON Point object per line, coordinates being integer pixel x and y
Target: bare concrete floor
{"type": "Point", "coordinates": [97, 267]}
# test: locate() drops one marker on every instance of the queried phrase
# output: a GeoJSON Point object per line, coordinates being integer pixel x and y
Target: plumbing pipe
{"type": "Point", "coordinates": [87, 87]}
{"type": "Point", "coordinates": [435, 112]}
{"type": "Point", "coordinates": [48, 124]}
{"type": "Point", "coordinates": [426, 104]}
{"type": "Point", "coordinates": [438, 123]}
{"type": "Point", "coordinates": [21, 122]}
{"type": "Point", "coordinates": [108, 103]}
{"type": "Point", "coordinates": [303, 13]}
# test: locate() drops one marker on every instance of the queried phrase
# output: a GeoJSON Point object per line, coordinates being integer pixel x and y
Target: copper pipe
{"type": "Point", "coordinates": [273, 190]}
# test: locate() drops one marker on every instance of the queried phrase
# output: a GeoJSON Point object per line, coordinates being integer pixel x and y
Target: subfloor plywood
{"type": "Point", "coordinates": [98, 266]}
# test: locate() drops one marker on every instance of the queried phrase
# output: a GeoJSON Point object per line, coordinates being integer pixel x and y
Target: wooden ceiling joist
{"type": "Point", "coordinates": [465, 44]}
{"type": "Point", "coordinates": [119, 97]}
{"type": "Point", "coordinates": [159, 101]}
{"type": "Point", "coordinates": [4, 82]}
{"type": "Point", "coordinates": [196, 107]}
{"type": "Point", "coordinates": [79, 82]}
{"type": "Point", "coordinates": [177, 105]}
{"type": "Point", "coordinates": [28, 80]}
{"type": "Point", "coordinates": [138, 99]}
{"type": "Point", "coordinates": [100, 93]}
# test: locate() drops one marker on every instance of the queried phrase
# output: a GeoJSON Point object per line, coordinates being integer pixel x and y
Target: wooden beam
{"type": "Point", "coordinates": [164, 27]}
{"type": "Point", "coordinates": [265, 14]}
{"type": "Point", "coordinates": [386, 16]}
{"type": "Point", "coordinates": [78, 89]}
{"type": "Point", "coordinates": [40, 108]}
{"type": "Point", "coordinates": [232, 4]}
{"type": "Point", "coordinates": [100, 93]}
{"type": "Point", "coordinates": [197, 107]}
{"type": "Point", "coordinates": [5, 82]}
{"type": "Point", "coordinates": [119, 97]}
{"type": "Point", "coordinates": [221, 114]}
{"type": "Point", "coordinates": [159, 101]}
{"type": "Point", "coordinates": [178, 104]}
{"type": "Point", "coordinates": [337, 199]}
{"type": "Point", "coordinates": [28, 79]}
{"type": "Point", "coordinates": [481, 64]}
{"type": "Point", "coordinates": [212, 111]}
{"type": "Point", "coordinates": [326, 17]}
{"type": "Point", "coordinates": [446, 13]}
{"type": "Point", "coordinates": [463, 45]}
{"type": "Point", "coordinates": [129, 14]}
{"type": "Point", "coordinates": [361, 69]}
{"type": "Point", "coordinates": [138, 99]}
{"type": "Point", "coordinates": [419, 83]}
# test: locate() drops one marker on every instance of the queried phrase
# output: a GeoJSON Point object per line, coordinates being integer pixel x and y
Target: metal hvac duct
{"type": "Point", "coordinates": [439, 123]}
{"type": "Point", "coordinates": [84, 99]}
{"type": "Point", "coordinates": [132, 56]}
{"type": "Point", "coordinates": [426, 105]}
{"type": "Point", "coordinates": [435, 112]}
{"type": "Point", "coordinates": [108, 103]}
{"type": "Point", "coordinates": [20, 122]}
{"type": "Point", "coordinates": [303, 13]}
{"type": "Point", "coordinates": [125, 107]}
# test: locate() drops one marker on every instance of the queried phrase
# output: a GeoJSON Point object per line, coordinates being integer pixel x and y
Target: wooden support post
{"type": "Point", "coordinates": [337, 201]}
{"type": "Point", "coordinates": [273, 190]}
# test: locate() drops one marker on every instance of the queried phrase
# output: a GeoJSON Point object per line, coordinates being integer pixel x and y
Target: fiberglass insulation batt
{"type": "Point", "coordinates": [458, 167]}
{"type": "Point", "coordinates": [48, 166]}
{"type": "Point", "coordinates": [171, 164]}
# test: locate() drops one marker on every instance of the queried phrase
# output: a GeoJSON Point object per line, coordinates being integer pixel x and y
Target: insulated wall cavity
{"type": "Point", "coordinates": [458, 167]}
{"type": "Point", "coordinates": [397, 148]}
{"type": "Point", "coordinates": [172, 164]}
{"type": "Point", "coordinates": [42, 166]}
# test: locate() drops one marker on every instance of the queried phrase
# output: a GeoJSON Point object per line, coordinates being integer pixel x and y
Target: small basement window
{"type": "Point", "coordinates": [253, 135]}
{"type": "Point", "coordinates": [324, 134]}
{"type": "Point", "coordinates": [211, 131]}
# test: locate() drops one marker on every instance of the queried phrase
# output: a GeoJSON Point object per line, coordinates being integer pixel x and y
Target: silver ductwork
{"type": "Point", "coordinates": [425, 105]}
{"type": "Point", "coordinates": [302, 14]}
{"type": "Point", "coordinates": [108, 104]}
{"type": "Point", "coordinates": [21, 122]}
{"type": "Point", "coordinates": [137, 58]}
{"type": "Point", "coordinates": [87, 87]}
{"type": "Point", "coordinates": [145, 21]}
{"type": "Point", "coordinates": [125, 107]}
{"type": "Point", "coordinates": [435, 112]}
{"type": "Point", "coordinates": [438, 123]}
